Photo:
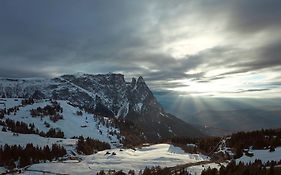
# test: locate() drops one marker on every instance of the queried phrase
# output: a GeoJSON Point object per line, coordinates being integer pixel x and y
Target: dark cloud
{"type": "Point", "coordinates": [254, 16]}
{"type": "Point", "coordinates": [21, 73]}
{"type": "Point", "coordinates": [46, 38]}
{"type": "Point", "coordinates": [264, 57]}
{"type": "Point", "coordinates": [252, 90]}
{"type": "Point", "coordinates": [268, 55]}
{"type": "Point", "coordinates": [66, 33]}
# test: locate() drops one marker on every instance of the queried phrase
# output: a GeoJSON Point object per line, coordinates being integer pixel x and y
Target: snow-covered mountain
{"type": "Point", "coordinates": [85, 90]}
{"type": "Point", "coordinates": [108, 95]}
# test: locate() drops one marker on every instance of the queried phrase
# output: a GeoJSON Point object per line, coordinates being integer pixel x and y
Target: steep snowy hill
{"type": "Point", "coordinates": [108, 95]}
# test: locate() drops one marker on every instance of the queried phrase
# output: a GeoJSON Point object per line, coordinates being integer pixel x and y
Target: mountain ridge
{"type": "Point", "coordinates": [107, 94]}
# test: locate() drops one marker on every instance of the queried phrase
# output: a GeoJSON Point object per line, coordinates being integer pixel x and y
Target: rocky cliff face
{"type": "Point", "coordinates": [108, 94]}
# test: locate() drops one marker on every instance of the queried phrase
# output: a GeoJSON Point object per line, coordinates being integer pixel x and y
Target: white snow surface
{"type": "Point", "coordinates": [2, 170]}
{"type": "Point", "coordinates": [123, 111]}
{"type": "Point", "coordinates": [9, 102]}
{"type": "Point", "coordinates": [263, 155]}
{"type": "Point", "coordinates": [72, 125]}
{"type": "Point", "coordinates": [23, 139]}
{"type": "Point", "coordinates": [191, 145]}
{"type": "Point", "coordinates": [164, 155]}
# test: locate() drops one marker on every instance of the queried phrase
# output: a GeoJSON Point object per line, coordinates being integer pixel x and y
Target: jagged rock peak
{"type": "Point", "coordinates": [142, 86]}
{"type": "Point", "coordinates": [140, 80]}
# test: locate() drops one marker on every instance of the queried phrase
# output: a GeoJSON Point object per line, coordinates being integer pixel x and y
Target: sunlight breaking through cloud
{"type": "Point", "coordinates": [213, 48]}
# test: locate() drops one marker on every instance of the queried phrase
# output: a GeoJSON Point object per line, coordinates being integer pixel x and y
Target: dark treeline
{"type": "Point", "coordinates": [269, 138]}
{"type": "Point", "coordinates": [261, 139]}
{"type": "Point", "coordinates": [256, 168]}
{"type": "Point", "coordinates": [89, 146]}
{"type": "Point", "coordinates": [53, 111]}
{"type": "Point", "coordinates": [23, 128]}
{"type": "Point", "coordinates": [132, 133]}
{"type": "Point", "coordinates": [18, 156]}
{"type": "Point", "coordinates": [203, 145]}
{"type": "Point", "coordinates": [159, 171]}
{"type": "Point", "coordinates": [20, 127]}
{"type": "Point", "coordinates": [54, 133]}
{"type": "Point", "coordinates": [8, 111]}
{"type": "Point", "coordinates": [27, 101]}
{"type": "Point", "coordinates": [147, 171]}
{"type": "Point", "coordinates": [113, 172]}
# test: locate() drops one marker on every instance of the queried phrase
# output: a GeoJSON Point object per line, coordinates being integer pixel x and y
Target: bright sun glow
{"type": "Point", "coordinates": [191, 46]}
{"type": "Point", "coordinates": [230, 86]}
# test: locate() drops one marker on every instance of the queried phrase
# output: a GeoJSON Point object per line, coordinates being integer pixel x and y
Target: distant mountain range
{"type": "Point", "coordinates": [108, 95]}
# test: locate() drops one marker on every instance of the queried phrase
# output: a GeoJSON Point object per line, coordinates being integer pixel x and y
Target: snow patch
{"type": "Point", "coordinates": [263, 155]}
{"type": "Point", "coordinates": [123, 111]}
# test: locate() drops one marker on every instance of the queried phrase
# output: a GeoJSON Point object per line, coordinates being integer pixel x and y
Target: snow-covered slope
{"type": "Point", "coordinates": [23, 139]}
{"type": "Point", "coordinates": [86, 125]}
{"type": "Point", "coordinates": [263, 155]}
{"type": "Point", "coordinates": [165, 155]}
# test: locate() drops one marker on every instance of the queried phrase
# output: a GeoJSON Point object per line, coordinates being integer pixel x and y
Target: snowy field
{"type": "Point", "coordinates": [263, 155]}
{"type": "Point", "coordinates": [164, 155]}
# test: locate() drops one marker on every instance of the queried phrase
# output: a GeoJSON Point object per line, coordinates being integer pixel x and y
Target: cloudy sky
{"type": "Point", "coordinates": [191, 47]}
